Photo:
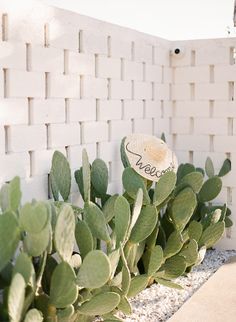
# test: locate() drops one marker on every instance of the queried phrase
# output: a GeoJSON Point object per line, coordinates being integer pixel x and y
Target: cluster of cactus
{"type": "Point", "coordinates": [60, 262]}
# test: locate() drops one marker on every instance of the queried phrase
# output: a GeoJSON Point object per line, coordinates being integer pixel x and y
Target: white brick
{"type": "Point", "coordinates": [180, 125]}
{"type": "Point", "coordinates": [192, 142]}
{"type": "Point", "coordinates": [45, 111]}
{"type": "Point", "coordinates": [192, 108]}
{"type": "Point", "coordinates": [212, 55]}
{"type": "Point", "coordinates": [167, 109]}
{"type": "Point", "coordinates": [181, 60]}
{"type": "Point", "coordinates": [143, 126]}
{"type": "Point", "coordinates": [61, 135]}
{"type": "Point", "coordinates": [181, 92]}
{"type": "Point", "coordinates": [63, 36]}
{"type": "Point", "coordinates": [75, 154]}
{"type": "Point", "coordinates": [34, 188]}
{"type": "Point", "coordinates": [153, 73]}
{"type": "Point", "coordinates": [47, 59]}
{"type": "Point", "coordinates": [115, 187]}
{"type": "Point", "coordinates": [198, 74]}
{"type": "Point", "coordinates": [133, 109]}
{"type": "Point", "coordinates": [142, 90]}
{"type": "Point", "coordinates": [94, 43]}
{"type": "Point", "coordinates": [224, 143]}
{"type": "Point", "coordinates": [120, 89]}
{"type": "Point", "coordinates": [143, 53]}
{"type": "Point", "coordinates": [81, 110]}
{"type": "Point", "coordinates": [66, 86]}
{"type": "Point", "coordinates": [13, 111]}
{"type": "Point", "coordinates": [162, 56]}
{"type": "Point", "coordinates": [25, 84]}
{"type": "Point", "coordinates": [79, 63]}
{"type": "Point", "coordinates": [2, 140]}
{"type": "Point", "coordinates": [133, 70]}
{"type": "Point", "coordinates": [210, 126]}
{"type": "Point", "coordinates": [225, 73]}
{"type": "Point", "coordinates": [42, 160]}
{"type": "Point", "coordinates": [224, 109]}
{"type": "Point", "coordinates": [12, 55]}
{"type": "Point", "coordinates": [1, 84]}
{"type": "Point", "coordinates": [119, 129]}
{"type": "Point", "coordinates": [94, 132]}
{"type": "Point", "coordinates": [217, 91]}
{"type": "Point", "coordinates": [116, 170]}
{"type": "Point", "coordinates": [161, 125]}
{"type": "Point", "coordinates": [153, 109]}
{"type": "Point", "coordinates": [109, 110]}
{"type": "Point", "coordinates": [182, 156]}
{"type": "Point", "coordinates": [109, 151]}
{"type": "Point", "coordinates": [94, 87]}
{"type": "Point", "coordinates": [14, 164]}
{"type": "Point", "coordinates": [120, 48]}
{"type": "Point", "coordinates": [108, 67]}
{"type": "Point", "coordinates": [162, 92]}
{"type": "Point", "coordinates": [167, 75]}
{"type": "Point", "coordinates": [27, 138]}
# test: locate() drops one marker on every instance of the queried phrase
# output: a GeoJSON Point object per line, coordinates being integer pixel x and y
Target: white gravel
{"type": "Point", "coordinates": [159, 303]}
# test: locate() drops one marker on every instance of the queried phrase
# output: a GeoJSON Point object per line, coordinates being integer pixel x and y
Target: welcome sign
{"type": "Point", "coordinates": [149, 156]}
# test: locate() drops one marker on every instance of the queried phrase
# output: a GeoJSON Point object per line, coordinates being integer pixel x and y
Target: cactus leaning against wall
{"type": "Point", "coordinates": [60, 262]}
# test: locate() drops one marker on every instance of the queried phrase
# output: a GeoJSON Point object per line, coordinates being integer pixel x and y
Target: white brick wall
{"type": "Point", "coordinates": [70, 82]}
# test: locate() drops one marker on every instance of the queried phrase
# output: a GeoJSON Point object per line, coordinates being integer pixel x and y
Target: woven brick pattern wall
{"type": "Point", "coordinates": [203, 121]}
{"type": "Point", "coordinates": [69, 82]}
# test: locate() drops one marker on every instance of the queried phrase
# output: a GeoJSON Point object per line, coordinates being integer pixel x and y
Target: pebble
{"type": "Point", "coordinates": [158, 303]}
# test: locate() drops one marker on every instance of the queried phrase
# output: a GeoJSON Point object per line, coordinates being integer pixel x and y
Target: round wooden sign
{"type": "Point", "coordinates": [149, 156]}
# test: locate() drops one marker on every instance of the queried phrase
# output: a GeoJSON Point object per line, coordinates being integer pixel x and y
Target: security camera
{"type": "Point", "coordinates": [178, 51]}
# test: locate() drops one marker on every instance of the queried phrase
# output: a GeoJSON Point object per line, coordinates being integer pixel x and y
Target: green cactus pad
{"type": "Point", "coordinates": [190, 252]}
{"type": "Point", "coordinates": [156, 260]}
{"type": "Point", "coordinates": [168, 283]}
{"type": "Point", "coordinates": [183, 207]}
{"type": "Point", "coordinates": [34, 217]}
{"type": "Point", "coordinates": [212, 234]}
{"type": "Point", "coordinates": [201, 255]}
{"type": "Point", "coordinates": [195, 230]}
{"type": "Point", "coordinates": [63, 290]}
{"type": "Point", "coordinates": [184, 169]}
{"type": "Point", "coordinates": [123, 155]}
{"type": "Point", "coordinates": [61, 174]}
{"type": "Point", "coordinates": [96, 221]}
{"type": "Point", "coordinates": [9, 237]}
{"type": "Point", "coordinates": [122, 219]}
{"type": "Point", "coordinates": [10, 195]}
{"type": "Point", "coordinates": [124, 306]}
{"type": "Point", "coordinates": [64, 235]}
{"type": "Point", "coordinates": [193, 180]}
{"type": "Point", "coordinates": [209, 168]}
{"type": "Point", "coordinates": [114, 257]}
{"type": "Point", "coordinates": [108, 208]}
{"type": "Point", "coordinates": [25, 267]}
{"type": "Point", "coordinates": [164, 187]}
{"type": "Point", "coordinates": [132, 182]}
{"type": "Point", "coordinates": [34, 315]}
{"type": "Point", "coordinates": [145, 224]}
{"type": "Point", "coordinates": [136, 208]}
{"type": "Point", "coordinates": [138, 283]}
{"type": "Point", "coordinates": [100, 304]}
{"type": "Point", "coordinates": [210, 189]}
{"type": "Point", "coordinates": [65, 314]}
{"type": "Point", "coordinates": [226, 168]}
{"type": "Point", "coordinates": [99, 177]}
{"type": "Point", "coordinates": [16, 297]}
{"type": "Point", "coordinates": [90, 277]}
{"type": "Point", "coordinates": [173, 267]}
{"type": "Point", "coordinates": [36, 244]}
{"type": "Point", "coordinates": [86, 173]}
{"type": "Point", "coordinates": [126, 277]}
{"type": "Point", "coordinates": [84, 238]}
{"type": "Point", "coordinates": [173, 245]}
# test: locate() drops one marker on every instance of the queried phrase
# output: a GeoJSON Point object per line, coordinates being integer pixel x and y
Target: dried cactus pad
{"type": "Point", "coordinates": [149, 156]}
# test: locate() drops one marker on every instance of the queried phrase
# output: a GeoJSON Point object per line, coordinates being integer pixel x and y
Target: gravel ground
{"type": "Point", "coordinates": [159, 303]}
